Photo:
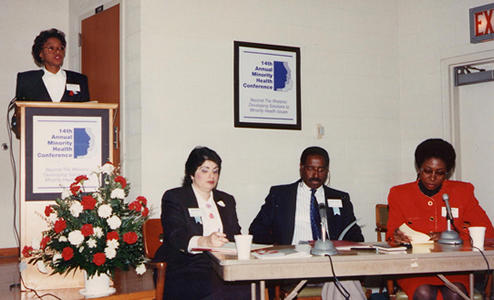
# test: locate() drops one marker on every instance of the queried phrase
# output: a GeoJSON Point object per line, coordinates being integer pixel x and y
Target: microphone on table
{"type": "Point", "coordinates": [449, 237]}
{"type": "Point", "coordinates": [323, 246]}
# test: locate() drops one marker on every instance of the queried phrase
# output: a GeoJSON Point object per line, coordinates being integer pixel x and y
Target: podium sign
{"type": "Point", "coordinates": [62, 143]}
{"type": "Point", "coordinates": [59, 141]}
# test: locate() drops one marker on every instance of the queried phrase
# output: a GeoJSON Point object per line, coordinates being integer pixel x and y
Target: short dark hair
{"type": "Point", "coordinates": [196, 158]}
{"type": "Point", "coordinates": [436, 148]}
{"type": "Point", "coordinates": [314, 150]}
{"type": "Point", "coordinates": [40, 41]}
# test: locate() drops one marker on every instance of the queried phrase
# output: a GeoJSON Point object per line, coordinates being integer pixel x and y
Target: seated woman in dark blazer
{"type": "Point", "coordinates": [419, 205]}
{"type": "Point", "coordinates": [51, 82]}
{"type": "Point", "coordinates": [197, 215]}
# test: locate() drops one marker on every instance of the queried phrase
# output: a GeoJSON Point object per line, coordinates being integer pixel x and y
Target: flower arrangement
{"type": "Point", "coordinates": [96, 232]}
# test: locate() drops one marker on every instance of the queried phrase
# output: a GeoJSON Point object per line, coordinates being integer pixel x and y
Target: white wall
{"type": "Point", "coordinates": [349, 72]}
{"type": "Point", "coordinates": [370, 74]}
{"type": "Point", "coordinates": [429, 32]}
{"type": "Point", "coordinates": [20, 23]}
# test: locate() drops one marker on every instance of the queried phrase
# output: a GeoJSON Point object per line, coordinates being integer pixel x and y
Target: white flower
{"type": "Point", "coordinates": [104, 211]}
{"type": "Point", "coordinates": [107, 168]}
{"type": "Point", "coordinates": [41, 267]}
{"type": "Point", "coordinates": [62, 238]}
{"type": "Point", "coordinates": [112, 244]}
{"type": "Point", "coordinates": [81, 248]}
{"type": "Point", "coordinates": [76, 237]}
{"type": "Point", "coordinates": [56, 257]}
{"type": "Point", "coordinates": [110, 252]}
{"type": "Point", "coordinates": [53, 217]}
{"type": "Point", "coordinates": [98, 197]}
{"type": "Point", "coordinates": [76, 208]}
{"type": "Point", "coordinates": [91, 243]}
{"type": "Point", "coordinates": [118, 193]}
{"type": "Point", "coordinates": [141, 269]}
{"type": "Point", "coordinates": [98, 232]}
{"type": "Point", "coordinates": [66, 193]}
{"type": "Point", "coordinates": [114, 222]}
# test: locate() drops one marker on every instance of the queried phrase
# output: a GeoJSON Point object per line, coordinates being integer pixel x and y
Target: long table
{"type": "Point", "coordinates": [441, 259]}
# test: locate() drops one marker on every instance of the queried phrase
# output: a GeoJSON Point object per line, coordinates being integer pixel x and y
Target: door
{"type": "Point", "coordinates": [476, 155]}
{"type": "Point", "coordinates": [100, 60]}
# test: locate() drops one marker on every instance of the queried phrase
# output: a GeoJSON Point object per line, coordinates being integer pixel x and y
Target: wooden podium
{"type": "Point", "coordinates": [59, 141]}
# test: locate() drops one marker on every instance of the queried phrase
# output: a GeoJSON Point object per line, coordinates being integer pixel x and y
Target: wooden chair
{"type": "Point", "coordinates": [152, 233]}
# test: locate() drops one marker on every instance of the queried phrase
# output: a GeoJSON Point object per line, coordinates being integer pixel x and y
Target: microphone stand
{"type": "Point", "coordinates": [323, 246]}
{"type": "Point", "coordinates": [449, 237]}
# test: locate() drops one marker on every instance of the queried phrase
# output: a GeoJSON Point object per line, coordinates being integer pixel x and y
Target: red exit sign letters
{"type": "Point", "coordinates": [481, 23]}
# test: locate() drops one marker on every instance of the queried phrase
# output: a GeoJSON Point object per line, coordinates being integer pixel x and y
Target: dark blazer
{"type": "Point", "coordinates": [179, 227]}
{"type": "Point", "coordinates": [30, 87]}
{"type": "Point", "coordinates": [275, 222]}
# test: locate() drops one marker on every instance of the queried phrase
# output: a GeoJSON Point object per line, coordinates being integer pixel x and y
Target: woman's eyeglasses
{"type": "Point", "coordinates": [430, 172]}
{"type": "Point", "coordinates": [52, 49]}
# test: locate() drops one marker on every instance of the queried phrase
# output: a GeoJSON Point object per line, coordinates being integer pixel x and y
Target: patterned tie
{"type": "Point", "coordinates": [315, 218]}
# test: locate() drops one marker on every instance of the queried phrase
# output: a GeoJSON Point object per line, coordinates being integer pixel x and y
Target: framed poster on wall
{"type": "Point", "coordinates": [266, 86]}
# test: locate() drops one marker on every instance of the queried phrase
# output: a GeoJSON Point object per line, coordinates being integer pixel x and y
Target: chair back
{"type": "Point", "coordinates": [381, 220]}
{"type": "Point", "coordinates": [153, 236]}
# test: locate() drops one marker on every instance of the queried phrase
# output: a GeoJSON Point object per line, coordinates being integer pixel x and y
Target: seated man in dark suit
{"type": "Point", "coordinates": [286, 218]}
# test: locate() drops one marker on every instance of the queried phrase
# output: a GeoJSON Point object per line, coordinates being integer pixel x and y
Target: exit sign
{"type": "Point", "coordinates": [481, 23]}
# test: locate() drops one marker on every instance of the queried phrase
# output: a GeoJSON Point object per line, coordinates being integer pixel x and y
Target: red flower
{"type": "Point", "coordinates": [60, 225]}
{"type": "Point", "coordinates": [80, 178]}
{"type": "Point", "coordinates": [99, 258]}
{"type": "Point", "coordinates": [130, 237]}
{"type": "Point", "coordinates": [121, 180]}
{"type": "Point", "coordinates": [74, 188]}
{"type": "Point", "coordinates": [27, 251]}
{"type": "Point", "coordinates": [136, 205]}
{"type": "Point", "coordinates": [44, 242]}
{"type": "Point", "coordinates": [48, 210]}
{"type": "Point", "coordinates": [67, 253]}
{"type": "Point", "coordinates": [88, 202]}
{"type": "Point", "coordinates": [145, 212]}
{"type": "Point", "coordinates": [142, 199]}
{"type": "Point", "coordinates": [112, 235]}
{"type": "Point", "coordinates": [87, 229]}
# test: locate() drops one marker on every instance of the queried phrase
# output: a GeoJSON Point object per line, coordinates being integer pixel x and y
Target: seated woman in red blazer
{"type": "Point", "coordinates": [419, 205]}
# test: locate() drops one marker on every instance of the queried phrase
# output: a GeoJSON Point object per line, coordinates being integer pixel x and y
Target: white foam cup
{"type": "Point", "coordinates": [477, 233]}
{"type": "Point", "coordinates": [243, 243]}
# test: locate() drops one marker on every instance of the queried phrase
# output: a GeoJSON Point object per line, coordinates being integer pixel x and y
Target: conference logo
{"type": "Point", "coordinates": [282, 76]}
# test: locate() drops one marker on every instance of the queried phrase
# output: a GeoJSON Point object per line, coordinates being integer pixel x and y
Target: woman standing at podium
{"type": "Point", "coordinates": [51, 82]}
{"type": "Point", "coordinates": [420, 206]}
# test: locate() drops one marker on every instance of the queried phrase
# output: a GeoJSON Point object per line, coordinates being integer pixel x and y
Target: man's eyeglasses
{"type": "Point", "coordinates": [52, 49]}
{"type": "Point", "coordinates": [315, 169]}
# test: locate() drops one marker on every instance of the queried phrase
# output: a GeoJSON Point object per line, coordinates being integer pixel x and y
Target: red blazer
{"type": "Point", "coordinates": [407, 204]}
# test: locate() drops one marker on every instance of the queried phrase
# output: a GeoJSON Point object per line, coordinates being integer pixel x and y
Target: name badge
{"type": "Point", "coordinates": [454, 211]}
{"type": "Point", "coordinates": [335, 203]}
{"type": "Point", "coordinates": [73, 87]}
{"type": "Point", "coordinates": [196, 213]}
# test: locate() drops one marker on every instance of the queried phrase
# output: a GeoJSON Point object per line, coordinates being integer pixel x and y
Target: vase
{"type": "Point", "coordinates": [97, 286]}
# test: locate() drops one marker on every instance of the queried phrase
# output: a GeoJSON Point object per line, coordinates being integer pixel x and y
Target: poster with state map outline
{"type": "Point", "coordinates": [61, 145]}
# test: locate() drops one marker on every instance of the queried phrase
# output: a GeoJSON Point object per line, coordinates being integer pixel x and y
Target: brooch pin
{"type": "Point", "coordinates": [221, 203]}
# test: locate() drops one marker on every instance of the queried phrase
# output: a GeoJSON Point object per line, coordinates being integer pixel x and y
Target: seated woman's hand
{"type": "Point", "coordinates": [215, 239]}
{"type": "Point", "coordinates": [399, 238]}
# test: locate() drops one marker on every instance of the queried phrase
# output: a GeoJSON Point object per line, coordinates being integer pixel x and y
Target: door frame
{"type": "Point", "coordinates": [450, 97]}
{"type": "Point", "coordinates": [121, 106]}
